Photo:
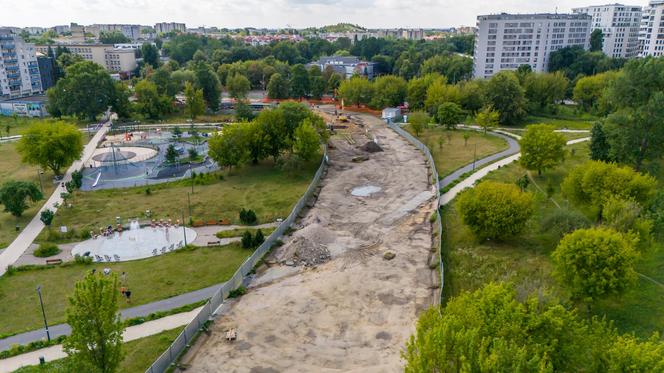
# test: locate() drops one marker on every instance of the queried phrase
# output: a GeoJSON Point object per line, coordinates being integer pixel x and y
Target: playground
{"type": "Point", "coordinates": [135, 158]}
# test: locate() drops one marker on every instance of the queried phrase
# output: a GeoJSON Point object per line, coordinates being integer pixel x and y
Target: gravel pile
{"type": "Point", "coordinates": [371, 147]}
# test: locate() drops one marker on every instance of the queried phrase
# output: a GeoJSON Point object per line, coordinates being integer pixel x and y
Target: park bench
{"type": "Point", "coordinates": [231, 335]}
{"type": "Point", "coordinates": [212, 222]}
{"type": "Point", "coordinates": [53, 261]}
{"type": "Point", "coordinates": [214, 243]}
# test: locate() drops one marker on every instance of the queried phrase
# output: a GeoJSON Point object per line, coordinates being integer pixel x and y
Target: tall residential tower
{"type": "Point", "coordinates": [19, 69]}
{"type": "Point", "coordinates": [651, 34]}
{"type": "Point", "coordinates": [620, 25]}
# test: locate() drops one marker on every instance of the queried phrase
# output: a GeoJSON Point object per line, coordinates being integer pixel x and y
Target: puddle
{"type": "Point", "coordinates": [365, 191]}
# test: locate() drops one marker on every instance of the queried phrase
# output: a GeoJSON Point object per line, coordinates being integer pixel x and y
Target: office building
{"type": "Point", "coordinates": [116, 60]}
{"type": "Point", "coordinates": [620, 26]}
{"type": "Point", "coordinates": [507, 41]}
{"type": "Point", "coordinates": [651, 34]}
{"type": "Point", "coordinates": [19, 69]}
{"type": "Point", "coordinates": [166, 27]}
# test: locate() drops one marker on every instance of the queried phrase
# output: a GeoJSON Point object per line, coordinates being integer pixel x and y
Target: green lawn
{"type": "Point", "coordinates": [268, 190]}
{"type": "Point", "coordinates": [568, 135]}
{"type": "Point", "coordinates": [581, 123]}
{"type": "Point", "coordinates": [455, 152]}
{"type": "Point", "coordinates": [149, 279]}
{"type": "Point", "coordinates": [139, 355]}
{"type": "Point", "coordinates": [240, 231]}
{"type": "Point", "coordinates": [11, 168]}
{"type": "Point", "coordinates": [17, 126]}
{"type": "Point", "coordinates": [525, 260]}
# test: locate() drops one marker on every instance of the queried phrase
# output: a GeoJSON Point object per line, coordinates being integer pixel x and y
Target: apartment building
{"type": "Point", "coordinates": [346, 66]}
{"type": "Point", "coordinates": [116, 60]}
{"type": "Point", "coordinates": [651, 33]}
{"type": "Point", "coordinates": [507, 41]}
{"type": "Point", "coordinates": [165, 27]}
{"type": "Point", "coordinates": [19, 69]}
{"type": "Point", "coordinates": [408, 34]}
{"type": "Point", "coordinates": [132, 32]}
{"type": "Point", "coordinates": [620, 25]}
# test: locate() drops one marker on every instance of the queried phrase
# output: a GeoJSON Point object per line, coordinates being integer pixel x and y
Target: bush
{"type": "Point", "coordinates": [248, 217]}
{"type": "Point", "coordinates": [237, 292]}
{"type": "Point", "coordinates": [563, 221]}
{"type": "Point", "coordinates": [47, 249]}
{"type": "Point", "coordinates": [46, 217]}
{"type": "Point", "coordinates": [78, 259]}
{"type": "Point", "coordinates": [247, 240]}
{"type": "Point", "coordinates": [258, 238]}
{"type": "Point", "coordinates": [495, 210]}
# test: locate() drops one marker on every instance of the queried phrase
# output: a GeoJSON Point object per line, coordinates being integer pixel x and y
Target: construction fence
{"type": "Point", "coordinates": [170, 356]}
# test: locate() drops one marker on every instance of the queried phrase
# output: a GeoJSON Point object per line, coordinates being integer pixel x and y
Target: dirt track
{"type": "Point", "coordinates": [355, 311]}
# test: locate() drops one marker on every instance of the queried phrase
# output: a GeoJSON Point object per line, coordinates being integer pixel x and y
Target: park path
{"type": "Point", "coordinates": [131, 333]}
{"type": "Point", "coordinates": [31, 231]}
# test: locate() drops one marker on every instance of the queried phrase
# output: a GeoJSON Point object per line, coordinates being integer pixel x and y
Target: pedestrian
{"type": "Point", "coordinates": [128, 295]}
{"type": "Point", "coordinates": [123, 291]}
{"type": "Point", "coordinates": [123, 279]}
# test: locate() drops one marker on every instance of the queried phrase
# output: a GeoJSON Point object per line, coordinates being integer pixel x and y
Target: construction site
{"type": "Point", "coordinates": [344, 290]}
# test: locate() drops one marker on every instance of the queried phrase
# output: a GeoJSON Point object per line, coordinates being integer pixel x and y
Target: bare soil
{"type": "Point", "coordinates": [350, 309]}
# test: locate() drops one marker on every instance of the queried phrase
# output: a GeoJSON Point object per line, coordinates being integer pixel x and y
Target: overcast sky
{"type": "Point", "coordinates": [272, 13]}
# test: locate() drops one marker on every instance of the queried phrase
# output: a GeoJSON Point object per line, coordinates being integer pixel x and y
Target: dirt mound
{"type": "Point", "coordinates": [371, 147]}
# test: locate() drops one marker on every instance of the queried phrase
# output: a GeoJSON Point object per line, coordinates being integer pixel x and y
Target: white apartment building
{"type": "Point", "coordinates": [165, 27]}
{"type": "Point", "coordinates": [133, 32]}
{"type": "Point", "coordinates": [507, 41]}
{"type": "Point", "coordinates": [651, 34]}
{"type": "Point", "coordinates": [19, 69]}
{"type": "Point", "coordinates": [113, 59]}
{"type": "Point", "coordinates": [620, 25]}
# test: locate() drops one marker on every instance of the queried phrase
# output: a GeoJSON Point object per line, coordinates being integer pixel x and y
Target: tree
{"type": "Point", "coordinates": [113, 37]}
{"type": "Point", "coordinates": [417, 89]}
{"type": "Point", "coordinates": [194, 104]}
{"type": "Point", "coordinates": [487, 118]}
{"type": "Point", "coordinates": [307, 141]}
{"type": "Point", "coordinates": [294, 113]}
{"type": "Point", "coordinates": [545, 90]}
{"type": "Point", "coordinates": [166, 85]}
{"type": "Point", "coordinates": [247, 240]}
{"type": "Point", "coordinates": [46, 217]}
{"type": "Point", "coordinates": [505, 94]}
{"type": "Point", "coordinates": [418, 121]}
{"type": "Point", "coordinates": [273, 126]}
{"type": "Point", "coordinates": [243, 111]}
{"type": "Point", "coordinates": [495, 210]}
{"type": "Point", "coordinates": [472, 95]}
{"type": "Point", "coordinates": [455, 67]}
{"type": "Point", "coordinates": [596, 40]}
{"type": "Point", "coordinates": [299, 81]}
{"type": "Point", "coordinates": [148, 101]}
{"type": "Point", "coordinates": [256, 141]}
{"type": "Point", "coordinates": [541, 148]}
{"type": "Point", "coordinates": [278, 87]}
{"type": "Point", "coordinates": [439, 93]}
{"type": "Point", "coordinates": [356, 91]}
{"type": "Point", "coordinates": [14, 196]}
{"type": "Point", "coordinates": [229, 149]}
{"type": "Point", "coordinates": [86, 91]}
{"type": "Point", "coordinates": [594, 263]}
{"type": "Point", "coordinates": [51, 145]}
{"type": "Point", "coordinates": [95, 342]}
{"type": "Point", "coordinates": [207, 80]}
{"type": "Point", "coordinates": [592, 184]}
{"type": "Point", "coordinates": [150, 55]}
{"type": "Point", "coordinates": [238, 86]}
{"type": "Point", "coordinates": [171, 154]}
{"type": "Point", "coordinates": [449, 115]}
{"type": "Point", "coordinates": [599, 147]}
{"type": "Point", "coordinates": [590, 90]}
{"type": "Point", "coordinates": [389, 91]}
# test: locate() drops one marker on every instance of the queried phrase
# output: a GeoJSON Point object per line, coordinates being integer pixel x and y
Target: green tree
{"type": "Point", "coordinates": [389, 91]}
{"type": "Point", "coordinates": [150, 55]}
{"type": "Point", "coordinates": [46, 217]}
{"type": "Point", "coordinates": [599, 146]}
{"type": "Point", "coordinates": [278, 87]}
{"type": "Point", "coordinates": [230, 148]}
{"type": "Point", "coordinates": [541, 148]}
{"type": "Point", "coordinates": [417, 89]}
{"type": "Point", "coordinates": [95, 342]}
{"type": "Point", "coordinates": [166, 85]}
{"type": "Point", "coordinates": [495, 210]}
{"type": "Point", "coordinates": [299, 81]}
{"type": "Point", "coordinates": [439, 93]}
{"type": "Point", "coordinates": [15, 194]}
{"type": "Point", "coordinates": [487, 118]}
{"type": "Point", "coordinates": [356, 91]}
{"type": "Point", "coordinates": [596, 40]}
{"type": "Point", "coordinates": [504, 94]}
{"type": "Point", "coordinates": [449, 115]}
{"type": "Point", "coordinates": [592, 184]}
{"type": "Point", "coordinates": [590, 90]}
{"type": "Point", "coordinates": [418, 121]}
{"type": "Point", "coordinates": [545, 90]}
{"type": "Point", "coordinates": [472, 95]}
{"type": "Point", "coordinates": [113, 37]}
{"type": "Point", "coordinates": [256, 141]}
{"type": "Point", "coordinates": [51, 145]}
{"type": "Point", "coordinates": [207, 80]}
{"type": "Point", "coordinates": [148, 101]}
{"type": "Point", "coordinates": [594, 263]}
{"type": "Point", "coordinates": [194, 104]}
{"type": "Point", "coordinates": [243, 111]}
{"type": "Point", "coordinates": [273, 126]}
{"type": "Point", "coordinates": [238, 86]}
{"type": "Point", "coordinates": [455, 67]}
{"type": "Point", "coordinates": [171, 155]}
{"type": "Point", "coordinates": [294, 113]}
{"type": "Point", "coordinates": [307, 141]}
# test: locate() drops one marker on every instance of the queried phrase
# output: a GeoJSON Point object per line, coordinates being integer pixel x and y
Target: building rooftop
{"type": "Point", "coordinates": [534, 16]}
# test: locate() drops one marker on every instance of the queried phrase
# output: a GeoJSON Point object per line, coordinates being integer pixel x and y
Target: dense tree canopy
{"type": "Point", "coordinates": [541, 148]}
{"type": "Point", "coordinates": [505, 95]}
{"type": "Point", "coordinates": [14, 195]}
{"type": "Point", "coordinates": [51, 146]}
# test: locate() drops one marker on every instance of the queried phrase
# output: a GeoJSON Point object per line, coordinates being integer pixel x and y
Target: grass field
{"type": "Point", "coordinates": [149, 280]}
{"type": "Point", "coordinates": [455, 152]}
{"type": "Point", "coordinates": [139, 354]}
{"type": "Point", "coordinates": [240, 231]}
{"type": "Point", "coordinates": [268, 190]}
{"type": "Point", "coordinates": [11, 168]}
{"type": "Point", "coordinates": [17, 126]}
{"type": "Point", "coordinates": [525, 260]}
{"type": "Point", "coordinates": [582, 123]}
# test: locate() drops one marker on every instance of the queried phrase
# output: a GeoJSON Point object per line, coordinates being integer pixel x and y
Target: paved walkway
{"type": "Point", "coordinates": [32, 230]}
{"type": "Point", "coordinates": [131, 333]}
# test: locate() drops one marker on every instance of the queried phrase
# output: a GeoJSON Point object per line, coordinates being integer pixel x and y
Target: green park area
{"type": "Point", "coordinates": [525, 260]}
{"type": "Point", "coordinates": [11, 126]}
{"type": "Point", "coordinates": [452, 149]}
{"type": "Point", "coordinates": [139, 355]}
{"type": "Point", "coordinates": [149, 280]}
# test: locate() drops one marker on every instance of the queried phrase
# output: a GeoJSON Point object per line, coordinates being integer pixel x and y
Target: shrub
{"type": "Point", "coordinates": [47, 249]}
{"type": "Point", "coordinates": [563, 221]}
{"type": "Point", "coordinates": [248, 217]}
{"type": "Point", "coordinates": [258, 238]}
{"type": "Point", "coordinates": [78, 259]}
{"type": "Point", "coordinates": [237, 292]}
{"type": "Point", "coordinates": [247, 240]}
{"type": "Point", "coordinates": [495, 210]}
{"type": "Point", "coordinates": [46, 217]}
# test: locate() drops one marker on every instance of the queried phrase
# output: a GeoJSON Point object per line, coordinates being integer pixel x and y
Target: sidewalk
{"type": "Point", "coordinates": [131, 333]}
{"type": "Point", "coordinates": [11, 254]}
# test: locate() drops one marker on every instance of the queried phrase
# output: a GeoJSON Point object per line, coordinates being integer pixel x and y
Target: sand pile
{"type": "Point", "coordinates": [371, 147]}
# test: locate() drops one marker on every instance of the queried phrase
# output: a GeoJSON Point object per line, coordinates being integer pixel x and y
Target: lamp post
{"type": "Point", "coordinates": [48, 335]}
{"type": "Point", "coordinates": [184, 229]}
{"type": "Point", "coordinates": [189, 204]}
{"type": "Point", "coordinates": [41, 185]}
{"type": "Point", "coordinates": [192, 177]}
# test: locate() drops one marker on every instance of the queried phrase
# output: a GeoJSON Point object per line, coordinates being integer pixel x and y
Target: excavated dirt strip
{"type": "Point", "coordinates": [329, 300]}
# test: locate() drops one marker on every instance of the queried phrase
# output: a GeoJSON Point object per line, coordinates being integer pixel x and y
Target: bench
{"type": "Point", "coordinates": [214, 243]}
{"type": "Point", "coordinates": [231, 335]}
{"type": "Point", "coordinates": [53, 261]}
{"type": "Point", "coordinates": [212, 222]}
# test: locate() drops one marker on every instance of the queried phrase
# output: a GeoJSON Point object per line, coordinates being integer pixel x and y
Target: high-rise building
{"type": "Point", "coordinates": [115, 60]}
{"type": "Point", "coordinates": [507, 41]}
{"type": "Point", "coordinates": [19, 69]}
{"type": "Point", "coordinates": [651, 34]}
{"type": "Point", "coordinates": [620, 25]}
{"type": "Point", "coordinates": [166, 27]}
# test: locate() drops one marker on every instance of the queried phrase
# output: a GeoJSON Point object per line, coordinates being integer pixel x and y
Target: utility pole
{"type": "Point", "coordinates": [189, 204]}
{"type": "Point", "coordinates": [475, 157]}
{"type": "Point", "coordinates": [48, 335]}
{"type": "Point", "coordinates": [184, 229]}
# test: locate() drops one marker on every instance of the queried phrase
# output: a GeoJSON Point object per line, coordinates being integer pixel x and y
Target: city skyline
{"type": "Point", "coordinates": [277, 14]}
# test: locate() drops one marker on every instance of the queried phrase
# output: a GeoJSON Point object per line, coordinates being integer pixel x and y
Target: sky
{"type": "Point", "coordinates": [274, 13]}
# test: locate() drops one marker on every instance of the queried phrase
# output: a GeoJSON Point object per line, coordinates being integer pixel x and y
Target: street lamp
{"type": "Point", "coordinates": [48, 335]}
{"type": "Point", "coordinates": [184, 229]}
